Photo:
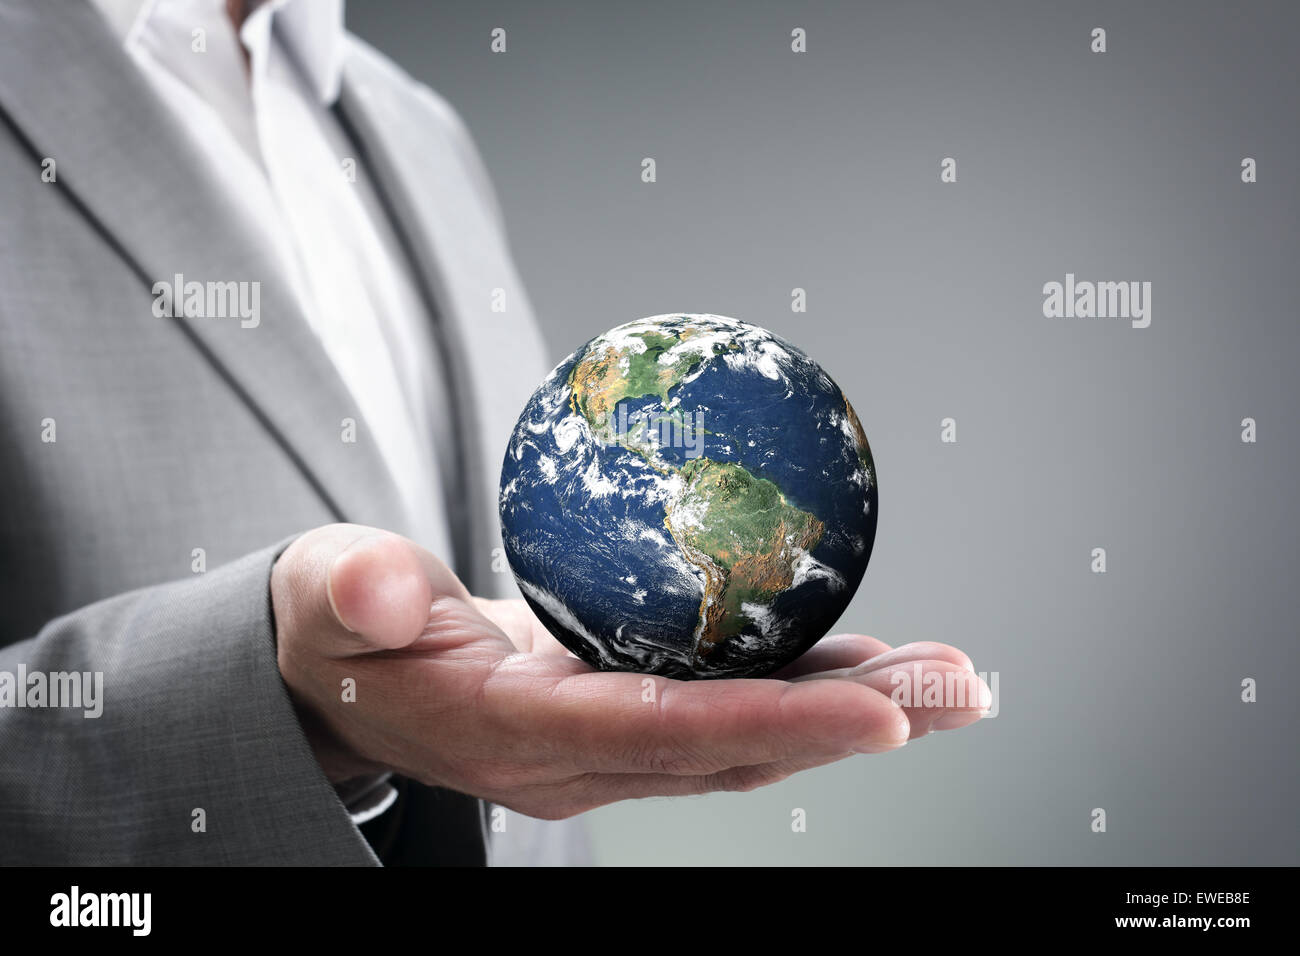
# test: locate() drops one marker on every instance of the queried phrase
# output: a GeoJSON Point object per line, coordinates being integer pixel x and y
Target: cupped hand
{"type": "Point", "coordinates": [477, 696]}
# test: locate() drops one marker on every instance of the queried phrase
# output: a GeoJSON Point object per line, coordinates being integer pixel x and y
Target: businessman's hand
{"type": "Point", "coordinates": [476, 695]}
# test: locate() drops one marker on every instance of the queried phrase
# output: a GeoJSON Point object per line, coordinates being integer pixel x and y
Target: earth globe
{"type": "Point", "coordinates": [689, 496]}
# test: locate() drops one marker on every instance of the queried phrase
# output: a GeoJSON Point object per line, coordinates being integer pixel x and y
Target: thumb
{"type": "Point", "coordinates": [348, 589]}
{"type": "Point", "coordinates": [378, 591]}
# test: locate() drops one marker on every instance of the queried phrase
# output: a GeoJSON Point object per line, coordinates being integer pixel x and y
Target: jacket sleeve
{"type": "Point", "coordinates": [196, 758]}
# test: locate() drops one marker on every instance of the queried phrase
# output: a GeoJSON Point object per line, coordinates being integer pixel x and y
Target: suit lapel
{"type": "Point", "coordinates": [74, 96]}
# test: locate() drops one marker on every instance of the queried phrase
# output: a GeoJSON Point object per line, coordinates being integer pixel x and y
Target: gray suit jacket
{"type": "Point", "coordinates": [172, 435]}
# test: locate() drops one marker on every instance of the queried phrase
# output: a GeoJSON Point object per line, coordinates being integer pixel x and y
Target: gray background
{"type": "Point", "coordinates": [821, 170]}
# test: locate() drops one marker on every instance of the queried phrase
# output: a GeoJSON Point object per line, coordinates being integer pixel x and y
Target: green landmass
{"type": "Point", "coordinates": [745, 537]}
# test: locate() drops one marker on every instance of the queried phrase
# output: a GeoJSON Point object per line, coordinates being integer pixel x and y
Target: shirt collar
{"type": "Point", "coordinates": [312, 29]}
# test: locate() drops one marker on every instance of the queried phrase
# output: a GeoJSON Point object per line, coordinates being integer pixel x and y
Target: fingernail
{"type": "Point", "coordinates": [329, 597]}
{"type": "Point", "coordinates": [329, 575]}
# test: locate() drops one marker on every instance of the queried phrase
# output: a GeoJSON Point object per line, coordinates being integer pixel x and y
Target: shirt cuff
{"type": "Point", "coordinates": [367, 797]}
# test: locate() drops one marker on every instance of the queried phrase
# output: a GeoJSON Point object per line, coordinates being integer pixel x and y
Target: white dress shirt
{"type": "Point", "coordinates": [266, 127]}
{"type": "Point", "coordinates": [286, 163]}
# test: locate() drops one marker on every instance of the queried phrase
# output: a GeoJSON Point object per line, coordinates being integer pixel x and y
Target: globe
{"type": "Point", "coordinates": [689, 496]}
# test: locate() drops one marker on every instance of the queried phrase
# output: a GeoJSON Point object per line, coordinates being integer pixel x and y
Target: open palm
{"type": "Point", "coordinates": [476, 695]}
